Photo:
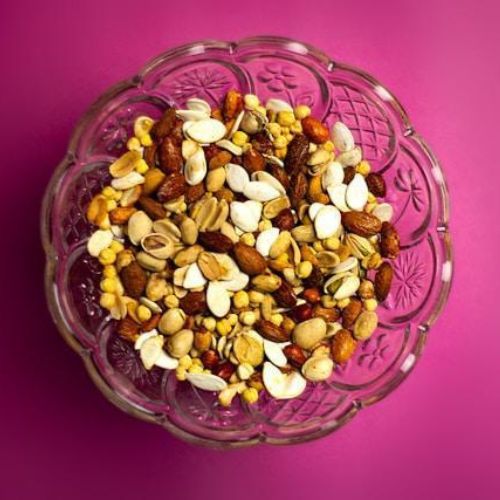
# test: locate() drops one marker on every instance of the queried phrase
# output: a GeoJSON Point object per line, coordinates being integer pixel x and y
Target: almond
{"type": "Point", "coordinates": [295, 355]}
{"type": "Point", "coordinates": [194, 193]}
{"type": "Point", "coordinates": [134, 279]}
{"type": "Point", "coordinates": [249, 259]}
{"type": "Point", "coordinates": [351, 312]}
{"type": "Point", "coordinates": [152, 207]}
{"type": "Point", "coordinates": [128, 329]}
{"type": "Point", "coordinates": [280, 174]}
{"type": "Point", "coordinates": [151, 323]}
{"type": "Point", "coordinates": [376, 185]}
{"type": "Point", "coordinates": [170, 156]}
{"type": "Point", "coordinates": [329, 314]}
{"type": "Point", "coordinates": [149, 155]}
{"type": "Point", "coordinates": [215, 242]}
{"type": "Point", "coordinates": [297, 154]}
{"type": "Point", "coordinates": [284, 220]}
{"type": "Point", "coordinates": [193, 303]}
{"type": "Point", "coordinates": [383, 280]}
{"type": "Point", "coordinates": [272, 332]}
{"type": "Point", "coordinates": [164, 125]}
{"type": "Point", "coordinates": [298, 188]}
{"type": "Point", "coordinates": [210, 359]}
{"type": "Point", "coordinates": [121, 215]}
{"type": "Point", "coordinates": [172, 187]}
{"type": "Point", "coordinates": [389, 241]}
{"type": "Point", "coordinates": [253, 161]}
{"type": "Point", "coordinates": [361, 223]}
{"type": "Point", "coordinates": [284, 295]}
{"type": "Point", "coordinates": [315, 130]}
{"type": "Point", "coordinates": [342, 346]}
{"type": "Point", "coordinates": [225, 370]}
{"type": "Point", "coordinates": [349, 173]}
{"type": "Point", "coordinates": [302, 312]}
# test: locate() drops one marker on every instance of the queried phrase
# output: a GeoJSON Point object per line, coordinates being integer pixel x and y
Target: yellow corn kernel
{"type": "Point", "coordinates": [296, 128]}
{"type": "Point", "coordinates": [185, 361]}
{"type": "Point", "coordinates": [274, 129]}
{"type": "Point", "coordinates": [331, 243]}
{"type": "Point", "coordinates": [107, 256]}
{"type": "Point", "coordinates": [302, 111]}
{"type": "Point", "coordinates": [363, 167]}
{"type": "Point", "coordinates": [371, 198]}
{"type": "Point", "coordinates": [134, 144]}
{"type": "Point", "coordinates": [318, 246]}
{"type": "Point", "coordinates": [146, 140]}
{"type": "Point", "coordinates": [108, 285]}
{"type": "Point", "coordinates": [250, 395]}
{"type": "Point", "coordinates": [197, 362]}
{"type": "Point", "coordinates": [109, 192]}
{"type": "Point", "coordinates": [142, 167]}
{"type": "Point", "coordinates": [370, 304]}
{"type": "Point", "coordinates": [209, 323]}
{"type": "Point", "coordinates": [265, 224]}
{"type": "Point", "coordinates": [248, 239]}
{"type": "Point", "coordinates": [107, 300]}
{"type": "Point", "coordinates": [171, 301]}
{"type": "Point", "coordinates": [248, 318]}
{"type": "Point", "coordinates": [342, 304]}
{"type": "Point", "coordinates": [289, 137]}
{"type": "Point", "coordinates": [280, 153]}
{"type": "Point", "coordinates": [109, 271]}
{"type": "Point", "coordinates": [241, 299]}
{"type": "Point", "coordinates": [223, 327]}
{"type": "Point", "coordinates": [232, 318]}
{"type": "Point", "coordinates": [255, 297]}
{"type": "Point", "coordinates": [286, 118]}
{"type": "Point", "coordinates": [304, 269]}
{"type": "Point", "coordinates": [251, 101]}
{"type": "Point", "coordinates": [180, 373]}
{"type": "Point", "coordinates": [239, 138]}
{"type": "Point", "coordinates": [195, 369]}
{"type": "Point", "coordinates": [111, 205]}
{"type": "Point", "coordinates": [328, 146]}
{"type": "Point", "coordinates": [116, 246]}
{"type": "Point", "coordinates": [143, 313]}
{"type": "Point", "coordinates": [277, 319]}
{"type": "Point", "coordinates": [285, 130]}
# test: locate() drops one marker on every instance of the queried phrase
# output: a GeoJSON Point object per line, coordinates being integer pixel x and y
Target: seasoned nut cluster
{"type": "Point", "coordinates": [243, 246]}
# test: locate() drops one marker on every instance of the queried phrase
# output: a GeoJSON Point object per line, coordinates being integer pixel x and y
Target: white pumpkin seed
{"type": "Point", "coordinates": [236, 177]}
{"type": "Point", "coordinates": [194, 277]}
{"type": "Point", "coordinates": [274, 352]}
{"type": "Point", "coordinates": [143, 337]}
{"type": "Point", "coordinates": [337, 195]}
{"type": "Point", "coordinates": [347, 265]}
{"type": "Point", "coordinates": [277, 105]}
{"type": "Point", "coordinates": [230, 146]}
{"type": "Point", "coordinates": [255, 207]}
{"type": "Point", "coordinates": [260, 191]}
{"type": "Point", "coordinates": [348, 288]}
{"type": "Point", "coordinates": [191, 115]}
{"type": "Point", "coordinates": [196, 104]}
{"type": "Point", "coordinates": [239, 282]}
{"type": "Point", "coordinates": [274, 159]}
{"type": "Point", "coordinates": [218, 300]}
{"type": "Point", "coordinates": [357, 193]}
{"type": "Point", "coordinates": [350, 158]}
{"type": "Point", "coordinates": [206, 131]}
{"type": "Point", "coordinates": [189, 148]}
{"type": "Point", "coordinates": [244, 215]}
{"type": "Point", "coordinates": [333, 175]}
{"type": "Point", "coordinates": [195, 168]}
{"type": "Point", "coordinates": [342, 137]}
{"type": "Point", "coordinates": [99, 240]}
{"type": "Point", "coordinates": [384, 212]}
{"type": "Point", "coordinates": [151, 350]}
{"type": "Point", "coordinates": [128, 181]}
{"type": "Point", "coordinates": [236, 124]}
{"type": "Point", "coordinates": [266, 177]}
{"type": "Point", "coordinates": [265, 240]}
{"type": "Point", "coordinates": [207, 381]}
{"type": "Point", "coordinates": [281, 385]}
{"type": "Point", "coordinates": [327, 222]}
{"type": "Point", "coordinates": [167, 362]}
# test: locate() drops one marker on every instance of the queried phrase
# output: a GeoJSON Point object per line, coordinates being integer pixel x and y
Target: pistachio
{"type": "Point", "coordinates": [365, 325]}
{"type": "Point", "coordinates": [327, 259]}
{"type": "Point", "coordinates": [172, 321]}
{"type": "Point", "coordinates": [248, 350]}
{"type": "Point", "coordinates": [150, 263]}
{"type": "Point", "coordinates": [180, 343]}
{"type": "Point", "coordinates": [309, 333]}
{"type": "Point", "coordinates": [168, 228]}
{"type": "Point", "coordinates": [158, 245]}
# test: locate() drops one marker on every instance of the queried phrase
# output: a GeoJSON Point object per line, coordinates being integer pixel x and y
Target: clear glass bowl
{"type": "Point", "coordinates": [298, 73]}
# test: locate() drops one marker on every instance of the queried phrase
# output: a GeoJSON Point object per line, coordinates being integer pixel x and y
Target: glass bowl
{"type": "Point", "coordinates": [300, 74]}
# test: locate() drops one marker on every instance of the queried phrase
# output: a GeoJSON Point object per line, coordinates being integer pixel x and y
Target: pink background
{"type": "Point", "coordinates": [437, 436]}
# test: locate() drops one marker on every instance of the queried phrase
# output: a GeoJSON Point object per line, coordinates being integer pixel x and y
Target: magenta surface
{"type": "Point", "coordinates": [437, 436]}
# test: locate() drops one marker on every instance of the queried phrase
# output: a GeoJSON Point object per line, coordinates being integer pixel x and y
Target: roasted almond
{"type": "Point", "coordinates": [152, 207]}
{"type": "Point", "coordinates": [361, 223]}
{"type": "Point", "coordinates": [329, 314]}
{"type": "Point", "coordinates": [128, 329]}
{"type": "Point", "coordinates": [284, 220]}
{"type": "Point", "coordinates": [298, 188]}
{"type": "Point", "coordinates": [280, 174]}
{"type": "Point", "coordinates": [170, 156]}
{"type": "Point", "coordinates": [249, 259]}
{"type": "Point", "coordinates": [376, 184]}
{"type": "Point", "coordinates": [215, 242]}
{"type": "Point", "coordinates": [314, 130]}
{"type": "Point", "coordinates": [165, 124]}
{"type": "Point", "coordinates": [134, 279]}
{"type": "Point", "coordinates": [297, 153]}
{"type": "Point", "coordinates": [389, 241]}
{"type": "Point", "coordinates": [253, 161]}
{"type": "Point", "coordinates": [343, 345]}
{"type": "Point", "coordinates": [272, 332]}
{"type": "Point", "coordinates": [221, 159]}
{"type": "Point", "coordinates": [351, 312]}
{"type": "Point", "coordinates": [284, 295]}
{"type": "Point", "coordinates": [383, 280]}
{"type": "Point", "coordinates": [172, 187]}
{"type": "Point", "coordinates": [193, 303]}
{"type": "Point", "coordinates": [295, 355]}
{"type": "Point", "coordinates": [194, 193]}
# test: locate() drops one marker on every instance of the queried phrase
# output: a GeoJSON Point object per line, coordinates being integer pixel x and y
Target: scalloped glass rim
{"type": "Point", "coordinates": [330, 65]}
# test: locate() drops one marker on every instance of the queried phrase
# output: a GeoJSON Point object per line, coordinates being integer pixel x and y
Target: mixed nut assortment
{"type": "Point", "coordinates": [243, 246]}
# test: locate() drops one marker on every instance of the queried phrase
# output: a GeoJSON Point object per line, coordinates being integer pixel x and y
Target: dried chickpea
{"type": "Point", "coordinates": [180, 373]}
{"type": "Point", "coordinates": [143, 313]}
{"type": "Point", "coordinates": [318, 246]}
{"type": "Point", "coordinates": [261, 110]}
{"type": "Point", "coordinates": [146, 140]}
{"type": "Point", "coordinates": [280, 142]}
{"type": "Point", "coordinates": [370, 304]}
{"type": "Point", "coordinates": [223, 327]}
{"type": "Point", "coordinates": [250, 395]}
{"type": "Point", "coordinates": [109, 271]}
{"type": "Point", "coordinates": [274, 129]}
{"type": "Point", "coordinates": [171, 301]}
{"type": "Point", "coordinates": [331, 243]}
{"type": "Point", "coordinates": [107, 256]}
{"type": "Point", "coordinates": [232, 319]}
{"type": "Point", "coordinates": [109, 192]}
{"type": "Point", "coordinates": [134, 144]}
{"type": "Point", "coordinates": [286, 118]}
{"type": "Point", "coordinates": [239, 138]}
{"type": "Point", "coordinates": [248, 318]}
{"type": "Point", "coordinates": [341, 304]}
{"type": "Point", "coordinates": [107, 300]}
{"type": "Point", "coordinates": [280, 153]}
{"type": "Point", "coordinates": [302, 111]}
{"type": "Point", "coordinates": [265, 224]}
{"type": "Point", "coordinates": [255, 297]}
{"type": "Point", "coordinates": [111, 205]}
{"type": "Point", "coordinates": [277, 319]}
{"type": "Point", "coordinates": [209, 323]}
{"type": "Point", "coordinates": [108, 285]}
{"type": "Point", "coordinates": [142, 167]}
{"type": "Point", "coordinates": [185, 362]}
{"type": "Point", "coordinates": [296, 128]}
{"type": "Point", "coordinates": [248, 239]}
{"type": "Point", "coordinates": [304, 269]}
{"type": "Point", "coordinates": [363, 168]}
{"type": "Point", "coordinates": [194, 368]}
{"type": "Point", "coordinates": [328, 146]}
{"type": "Point", "coordinates": [116, 246]}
